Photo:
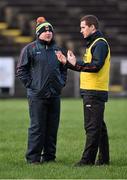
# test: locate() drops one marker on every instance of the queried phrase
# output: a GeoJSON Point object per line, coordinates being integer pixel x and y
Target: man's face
{"type": "Point", "coordinates": [47, 35]}
{"type": "Point", "coordinates": [86, 30]}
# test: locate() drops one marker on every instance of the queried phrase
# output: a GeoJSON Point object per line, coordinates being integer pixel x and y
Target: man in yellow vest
{"type": "Point", "coordinates": [94, 82]}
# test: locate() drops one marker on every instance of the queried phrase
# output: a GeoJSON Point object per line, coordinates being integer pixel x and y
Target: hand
{"type": "Point", "coordinates": [61, 57]}
{"type": "Point", "coordinates": [71, 57]}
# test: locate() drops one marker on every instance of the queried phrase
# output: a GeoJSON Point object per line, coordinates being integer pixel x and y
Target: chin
{"type": "Point", "coordinates": [49, 40]}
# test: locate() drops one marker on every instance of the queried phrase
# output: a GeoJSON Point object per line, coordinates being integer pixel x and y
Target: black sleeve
{"type": "Point", "coordinates": [99, 53]}
{"type": "Point", "coordinates": [23, 67]}
{"type": "Point", "coordinates": [63, 70]}
{"type": "Point", "coordinates": [74, 68]}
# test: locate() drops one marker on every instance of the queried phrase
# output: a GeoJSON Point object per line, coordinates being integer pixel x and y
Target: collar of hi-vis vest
{"type": "Point", "coordinates": [90, 39]}
{"type": "Point", "coordinates": [88, 50]}
{"type": "Point", "coordinates": [101, 38]}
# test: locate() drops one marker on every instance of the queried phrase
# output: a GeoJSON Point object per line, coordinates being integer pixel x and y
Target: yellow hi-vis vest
{"type": "Point", "coordinates": [98, 80]}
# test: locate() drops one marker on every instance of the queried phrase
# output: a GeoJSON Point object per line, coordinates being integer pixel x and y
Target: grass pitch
{"type": "Point", "coordinates": [14, 121]}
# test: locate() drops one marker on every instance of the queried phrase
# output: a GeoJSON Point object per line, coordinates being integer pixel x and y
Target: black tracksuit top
{"type": "Point", "coordinates": [40, 71]}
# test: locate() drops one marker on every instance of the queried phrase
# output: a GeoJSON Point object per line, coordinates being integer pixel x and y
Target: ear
{"type": "Point", "coordinates": [93, 27]}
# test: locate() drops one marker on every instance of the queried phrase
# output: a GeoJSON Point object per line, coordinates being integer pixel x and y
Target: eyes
{"type": "Point", "coordinates": [83, 28]}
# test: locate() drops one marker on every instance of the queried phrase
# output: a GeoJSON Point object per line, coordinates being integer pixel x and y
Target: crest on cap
{"type": "Point", "coordinates": [47, 28]}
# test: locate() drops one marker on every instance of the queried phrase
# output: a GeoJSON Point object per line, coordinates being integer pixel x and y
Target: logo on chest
{"type": "Point", "coordinates": [38, 52]}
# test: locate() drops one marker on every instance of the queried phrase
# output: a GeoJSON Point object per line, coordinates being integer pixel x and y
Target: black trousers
{"type": "Point", "coordinates": [42, 133]}
{"type": "Point", "coordinates": [96, 131]}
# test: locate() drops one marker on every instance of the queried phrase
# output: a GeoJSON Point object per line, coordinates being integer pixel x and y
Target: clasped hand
{"type": "Point", "coordinates": [70, 57]}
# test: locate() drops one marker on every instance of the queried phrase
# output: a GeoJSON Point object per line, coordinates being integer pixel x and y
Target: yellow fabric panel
{"type": "Point", "coordinates": [99, 80]}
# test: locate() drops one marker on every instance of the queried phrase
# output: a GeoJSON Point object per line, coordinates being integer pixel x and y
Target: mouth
{"type": "Point", "coordinates": [48, 37]}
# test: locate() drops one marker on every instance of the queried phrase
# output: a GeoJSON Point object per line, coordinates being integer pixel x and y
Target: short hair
{"type": "Point", "coordinates": [90, 20]}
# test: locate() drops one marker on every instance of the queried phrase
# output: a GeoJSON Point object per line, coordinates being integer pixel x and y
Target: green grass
{"type": "Point", "coordinates": [14, 121]}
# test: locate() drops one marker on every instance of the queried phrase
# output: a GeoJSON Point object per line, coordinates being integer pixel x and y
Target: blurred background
{"type": "Point", "coordinates": [17, 28]}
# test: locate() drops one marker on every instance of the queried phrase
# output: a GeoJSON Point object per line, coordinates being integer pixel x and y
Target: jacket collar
{"type": "Point", "coordinates": [90, 39]}
{"type": "Point", "coordinates": [45, 43]}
